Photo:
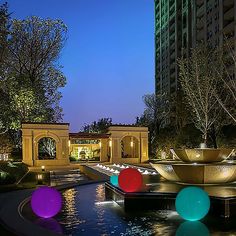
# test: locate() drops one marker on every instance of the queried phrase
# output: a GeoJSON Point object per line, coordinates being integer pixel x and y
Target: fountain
{"type": "Point", "coordinates": [198, 166]}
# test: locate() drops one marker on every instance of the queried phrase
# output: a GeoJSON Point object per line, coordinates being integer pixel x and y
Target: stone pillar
{"type": "Point", "coordinates": [103, 151]}
{"type": "Point", "coordinates": [27, 149]}
{"type": "Point", "coordinates": [115, 150]}
{"type": "Point", "coordinates": [144, 148]}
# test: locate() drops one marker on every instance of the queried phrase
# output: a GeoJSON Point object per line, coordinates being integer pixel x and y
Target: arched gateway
{"type": "Point", "coordinates": [45, 144]}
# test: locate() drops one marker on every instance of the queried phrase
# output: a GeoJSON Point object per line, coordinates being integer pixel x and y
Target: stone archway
{"type": "Point", "coordinates": [32, 133]}
{"type": "Point", "coordinates": [129, 147]}
{"type": "Point", "coordinates": [46, 148]}
{"type": "Point", "coordinates": [118, 133]}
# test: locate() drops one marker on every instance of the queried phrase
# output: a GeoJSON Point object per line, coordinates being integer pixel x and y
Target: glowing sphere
{"type": "Point", "coordinates": [46, 202]}
{"type": "Point", "coordinates": [192, 203]}
{"type": "Point", "coordinates": [130, 180]}
{"type": "Point", "coordinates": [195, 228]}
{"type": "Point", "coordinates": [114, 180]}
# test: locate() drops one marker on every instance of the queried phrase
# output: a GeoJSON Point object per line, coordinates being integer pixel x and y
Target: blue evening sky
{"type": "Point", "coordinates": [108, 58]}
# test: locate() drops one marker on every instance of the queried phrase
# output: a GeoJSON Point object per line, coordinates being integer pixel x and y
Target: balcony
{"type": "Point", "coordinates": [200, 11]}
{"type": "Point", "coordinates": [199, 2]}
{"type": "Point", "coordinates": [229, 15]}
{"type": "Point", "coordinates": [228, 3]}
{"type": "Point", "coordinates": [172, 56]}
{"type": "Point", "coordinates": [200, 35]}
{"type": "Point", "coordinates": [200, 23]}
{"type": "Point", "coordinates": [229, 28]}
{"type": "Point", "coordinates": [173, 74]}
{"type": "Point", "coordinates": [172, 28]}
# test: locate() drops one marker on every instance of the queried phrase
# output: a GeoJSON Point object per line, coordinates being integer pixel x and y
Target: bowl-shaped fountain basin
{"type": "Point", "coordinates": [202, 155]}
{"type": "Point", "coordinates": [214, 173]}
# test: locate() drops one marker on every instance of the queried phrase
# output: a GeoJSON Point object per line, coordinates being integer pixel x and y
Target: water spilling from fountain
{"type": "Point", "coordinates": [198, 166]}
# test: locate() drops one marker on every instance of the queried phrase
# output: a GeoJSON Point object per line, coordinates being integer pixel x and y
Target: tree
{"type": "Point", "coordinates": [227, 75]}
{"type": "Point", "coordinates": [200, 83]}
{"type": "Point", "coordinates": [47, 146]}
{"type": "Point", "coordinates": [99, 126]}
{"type": "Point", "coordinates": [32, 77]}
{"type": "Point", "coordinates": [4, 27]}
{"type": "Point", "coordinates": [156, 112]}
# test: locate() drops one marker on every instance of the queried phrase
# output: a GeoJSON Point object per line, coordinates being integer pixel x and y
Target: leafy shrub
{"type": "Point", "coordinates": [227, 137]}
{"type": "Point", "coordinates": [14, 170]}
{"type": "Point", "coordinates": [6, 178]}
{"type": "Point", "coordinates": [72, 158]}
{"type": "Point", "coordinates": [189, 137]}
{"type": "Point", "coordinates": [16, 155]}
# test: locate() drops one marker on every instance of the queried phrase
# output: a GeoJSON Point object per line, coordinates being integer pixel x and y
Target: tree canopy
{"type": "Point", "coordinates": [200, 83]}
{"type": "Point", "coordinates": [99, 126]}
{"type": "Point", "coordinates": [30, 76]}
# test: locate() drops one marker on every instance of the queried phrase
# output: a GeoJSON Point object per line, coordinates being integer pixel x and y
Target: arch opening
{"type": "Point", "coordinates": [46, 148]}
{"type": "Point", "coordinates": [129, 147]}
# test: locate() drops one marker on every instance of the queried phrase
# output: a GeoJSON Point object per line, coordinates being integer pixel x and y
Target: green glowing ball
{"type": "Point", "coordinates": [114, 180]}
{"type": "Point", "coordinates": [192, 203]}
{"type": "Point", "coordinates": [195, 228]}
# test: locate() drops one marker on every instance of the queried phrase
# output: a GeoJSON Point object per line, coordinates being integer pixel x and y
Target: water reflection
{"type": "Point", "coordinates": [99, 209]}
{"type": "Point", "coordinates": [193, 228]}
{"type": "Point", "coordinates": [50, 224]}
{"type": "Point", "coordinates": [106, 217]}
{"type": "Point", "coordinates": [70, 209]}
{"type": "Point", "coordinates": [87, 212]}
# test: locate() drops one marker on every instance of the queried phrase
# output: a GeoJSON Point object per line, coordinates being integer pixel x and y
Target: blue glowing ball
{"type": "Point", "coordinates": [195, 228]}
{"type": "Point", "coordinates": [114, 180]}
{"type": "Point", "coordinates": [192, 203]}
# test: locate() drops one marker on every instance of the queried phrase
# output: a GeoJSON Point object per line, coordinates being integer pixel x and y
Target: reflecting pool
{"type": "Point", "coordinates": [86, 212]}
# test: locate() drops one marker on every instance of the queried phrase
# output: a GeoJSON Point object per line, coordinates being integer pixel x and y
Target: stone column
{"type": "Point", "coordinates": [115, 150]}
{"type": "Point", "coordinates": [27, 149]}
{"type": "Point", "coordinates": [144, 148]}
{"type": "Point", "coordinates": [103, 151]}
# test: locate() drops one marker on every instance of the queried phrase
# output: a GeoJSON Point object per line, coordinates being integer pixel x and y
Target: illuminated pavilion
{"type": "Point", "coordinates": [121, 143]}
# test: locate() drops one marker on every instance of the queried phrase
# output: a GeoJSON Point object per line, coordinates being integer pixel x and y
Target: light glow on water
{"type": "Point", "coordinates": [87, 212]}
{"type": "Point", "coordinates": [105, 203]}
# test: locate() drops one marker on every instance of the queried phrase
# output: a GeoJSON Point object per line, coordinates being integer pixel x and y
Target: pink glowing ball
{"type": "Point", "coordinates": [46, 202]}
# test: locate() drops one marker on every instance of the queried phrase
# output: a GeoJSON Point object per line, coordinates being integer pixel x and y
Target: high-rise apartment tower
{"type": "Point", "coordinates": [180, 24]}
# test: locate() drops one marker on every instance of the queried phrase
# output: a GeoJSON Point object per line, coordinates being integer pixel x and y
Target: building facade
{"type": "Point", "coordinates": [173, 31]}
{"type": "Point", "coordinates": [180, 25]}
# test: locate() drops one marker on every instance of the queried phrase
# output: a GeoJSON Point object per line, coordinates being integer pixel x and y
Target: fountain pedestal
{"type": "Point", "coordinates": [198, 166]}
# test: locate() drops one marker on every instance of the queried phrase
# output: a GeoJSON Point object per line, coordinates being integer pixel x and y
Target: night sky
{"type": "Point", "coordinates": [108, 58]}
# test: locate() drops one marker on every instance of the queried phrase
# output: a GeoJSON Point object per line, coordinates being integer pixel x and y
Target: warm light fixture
{"type": "Point", "coordinates": [131, 144]}
{"type": "Point", "coordinates": [43, 168]}
{"type": "Point", "coordinates": [69, 143]}
{"type": "Point", "coordinates": [100, 144]}
{"type": "Point", "coordinates": [40, 178]}
{"type": "Point", "coordinates": [110, 143]}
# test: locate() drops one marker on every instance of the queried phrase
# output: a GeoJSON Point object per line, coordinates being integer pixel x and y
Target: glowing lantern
{"type": "Point", "coordinates": [114, 180]}
{"type": "Point", "coordinates": [46, 202]}
{"type": "Point", "coordinates": [192, 203]}
{"type": "Point", "coordinates": [193, 228]}
{"type": "Point", "coordinates": [130, 180]}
